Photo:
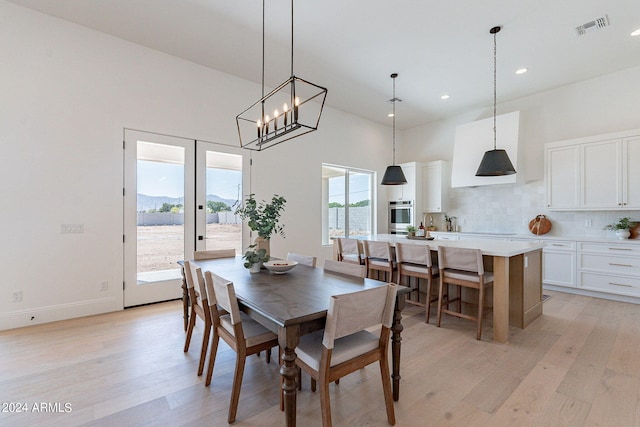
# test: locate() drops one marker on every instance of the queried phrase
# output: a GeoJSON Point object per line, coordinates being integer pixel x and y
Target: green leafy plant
{"type": "Point", "coordinates": [411, 229]}
{"type": "Point", "coordinates": [263, 217]}
{"type": "Point", "coordinates": [622, 224]}
{"type": "Point", "coordinates": [253, 256]}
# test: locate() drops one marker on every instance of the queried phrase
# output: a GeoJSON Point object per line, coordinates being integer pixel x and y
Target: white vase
{"type": "Point", "coordinates": [255, 268]}
{"type": "Point", "coordinates": [623, 234]}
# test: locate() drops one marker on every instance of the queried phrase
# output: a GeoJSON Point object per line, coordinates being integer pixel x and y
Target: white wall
{"type": "Point", "coordinates": [602, 105]}
{"type": "Point", "coordinates": [67, 94]}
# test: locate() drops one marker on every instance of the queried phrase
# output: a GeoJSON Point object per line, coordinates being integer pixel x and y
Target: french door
{"type": "Point", "coordinates": [179, 196]}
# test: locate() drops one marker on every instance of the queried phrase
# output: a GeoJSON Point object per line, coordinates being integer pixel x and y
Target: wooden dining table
{"type": "Point", "coordinates": [294, 304]}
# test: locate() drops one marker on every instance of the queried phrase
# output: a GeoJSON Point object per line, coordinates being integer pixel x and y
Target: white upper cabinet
{"type": "Point", "coordinates": [435, 186]}
{"type": "Point", "coordinates": [562, 166]}
{"type": "Point", "coordinates": [601, 175]}
{"type": "Point", "coordinates": [631, 172]}
{"type": "Point", "coordinates": [594, 173]}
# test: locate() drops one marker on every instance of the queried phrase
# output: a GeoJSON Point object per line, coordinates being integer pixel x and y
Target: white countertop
{"type": "Point", "coordinates": [503, 248]}
{"type": "Point", "coordinates": [542, 237]}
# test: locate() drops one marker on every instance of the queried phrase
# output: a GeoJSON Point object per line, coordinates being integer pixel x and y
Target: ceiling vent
{"type": "Point", "coordinates": [596, 24]}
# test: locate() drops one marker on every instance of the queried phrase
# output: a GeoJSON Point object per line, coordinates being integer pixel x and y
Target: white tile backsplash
{"type": "Point", "coordinates": [509, 208]}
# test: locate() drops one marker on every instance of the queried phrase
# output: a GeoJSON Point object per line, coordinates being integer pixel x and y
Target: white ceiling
{"type": "Point", "coordinates": [351, 47]}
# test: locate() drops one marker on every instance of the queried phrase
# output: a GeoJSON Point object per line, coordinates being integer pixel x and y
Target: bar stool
{"type": "Point", "coordinates": [414, 260]}
{"type": "Point", "coordinates": [379, 256]}
{"type": "Point", "coordinates": [350, 250]}
{"type": "Point", "coordinates": [462, 267]}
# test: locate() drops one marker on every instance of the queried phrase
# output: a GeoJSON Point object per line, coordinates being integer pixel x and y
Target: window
{"type": "Point", "coordinates": [347, 200]}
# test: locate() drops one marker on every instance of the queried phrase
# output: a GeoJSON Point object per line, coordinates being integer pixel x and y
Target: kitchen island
{"type": "Point", "coordinates": [517, 285]}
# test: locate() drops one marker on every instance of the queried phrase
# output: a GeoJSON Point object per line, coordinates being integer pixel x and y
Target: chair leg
{"type": "Point", "coordinates": [427, 301]}
{"type": "Point", "coordinates": [325, 404]}
{"type": "Point", "coordinates": [237, 384]}
{"type": "Point", "coordinates": [440, 292]}
{"type": "Point", "coordinates": [205, 344]}
{"type": "Point", "coordinates": [386, 388]}
{"type": "Point", "coordinates": [192, 323]}
{"type": "Point", "coordinates": [212, 358]}
{"type": "Point", "coordinates": [480, 311]}
{"type": "Point", "coordinates": [313, 385]}
{"type": "Point", "coordinates": [268, 357]}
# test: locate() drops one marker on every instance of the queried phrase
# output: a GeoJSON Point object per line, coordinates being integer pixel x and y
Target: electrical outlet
{"type": "Point", "coordinates": [104, 286]}
{"type": "Point", "coordinates": [587, 223]}
{"type": "Point", "coordinates": [71, 228]}
{"type": "Point", "coordinates": [17, 296]}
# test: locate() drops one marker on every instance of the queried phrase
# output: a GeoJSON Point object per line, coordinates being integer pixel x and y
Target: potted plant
{"type": "Point", "coordinates": [622, 227]}
{"type": "Point", "coordinates": [411, 230]}
{"type": "Point", "coordinates": [263, 218]}
{"type": "Point", "coordinates": [254, 258]}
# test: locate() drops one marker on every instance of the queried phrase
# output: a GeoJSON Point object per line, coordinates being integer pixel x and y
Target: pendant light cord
{"type": "Point", "coordinates": [291, 37]}
{"type": "Point", "coordinates": [494, 88]}
{"type": "Point", "coordinates": [394, 121]}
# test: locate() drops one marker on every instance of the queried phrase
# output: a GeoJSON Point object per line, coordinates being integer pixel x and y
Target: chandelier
{"type": "Point", "coordinates": [290, 110]}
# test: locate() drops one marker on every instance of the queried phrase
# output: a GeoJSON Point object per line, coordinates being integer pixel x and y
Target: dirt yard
{"type": "Point", "coordinates": [160, 246]}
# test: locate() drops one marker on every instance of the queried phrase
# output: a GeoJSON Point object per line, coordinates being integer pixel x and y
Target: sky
{"type": "Point", "coordinates": [167, 179]}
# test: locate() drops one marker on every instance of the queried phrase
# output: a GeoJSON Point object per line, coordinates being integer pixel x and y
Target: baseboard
{"type": "Point", "coordinates": [595, 294]}
{"type": "Point", "coordinates": [53, 313]}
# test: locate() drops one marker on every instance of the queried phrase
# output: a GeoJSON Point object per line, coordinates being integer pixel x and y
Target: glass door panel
{"type": "Point", "coordinates": [219, 191]}
{"type": "Point", "coordinates": [158, 215]}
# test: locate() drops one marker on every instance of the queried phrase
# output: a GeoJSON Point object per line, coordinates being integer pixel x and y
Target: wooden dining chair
{"type": "Point", "coordinates": [416, 261]}
{"type": "Point", "coordinates": [346, 345]}
{"type": "Point", "coordinates": [214, 253]}
{"type": "Point", "coordinates": [302, 259]}
{"type": "Point", "coordinates": [199, 309]}
{"type": "Point", "coordinates": [350, 250]}
{"type": "Point", "coordinates": [379, 257]}
{"type": "Point", "coordinates": [345, 268]}
{"type": "Point", "coordinates": [243, 334]}
{"type": "Point", "coordinates": [463, 268]}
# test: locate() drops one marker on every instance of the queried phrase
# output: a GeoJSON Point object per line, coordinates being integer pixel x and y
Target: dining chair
{"type": "Point", "coordinates": [345, 345]}
{"type": "Point", "coordinates": [463, 268]}
{"type": "Point", "coordinates": [302, 259]}
{"type": "Point", "coordinates": [214, 253]}
{"type": "Point", "coordinates": [345, 268]}
{"type": "Point", "coordinates": [380, 257]}
{"type": "Point", "coordinates": [349, 250]}
{"type": "Point", "coordinates": [243, 334]}
{"type": "Point", "coordinates": [416, 261]}
{"type": "Point", "coordinates": [199, 309]}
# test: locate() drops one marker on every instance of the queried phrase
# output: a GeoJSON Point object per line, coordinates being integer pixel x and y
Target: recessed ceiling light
{"type": "Point", "coordinates": [521, 70]}
{"type": "Point", "coordinates": [445, 96]}
{"type": "Point", "coordinates": [390, 115]}
{"type": "Point", "coordinates": [635, 33]}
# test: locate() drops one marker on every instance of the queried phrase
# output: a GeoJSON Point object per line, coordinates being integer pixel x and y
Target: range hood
{"type": "Point", "coordinates": [471, 142]}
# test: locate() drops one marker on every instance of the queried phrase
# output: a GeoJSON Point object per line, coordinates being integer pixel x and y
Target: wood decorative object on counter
{"type": "Point", "coordinates": [635, 231]}
{"type": "Point", "coordinates": [419, 238]}
{"type": "Point", "coordinates": [539, 225]}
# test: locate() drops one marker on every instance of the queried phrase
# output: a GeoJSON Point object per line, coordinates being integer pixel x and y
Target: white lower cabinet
{"type": "Point", "coordinates": [559, 263]}
{"type": "Point", "coordinates": [611, 268]}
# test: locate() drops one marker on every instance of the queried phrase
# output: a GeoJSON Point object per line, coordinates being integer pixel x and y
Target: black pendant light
{"type": "Point", "coordinates": [394, 175]}
{"type": "Point", "coordinates": [495, 162]}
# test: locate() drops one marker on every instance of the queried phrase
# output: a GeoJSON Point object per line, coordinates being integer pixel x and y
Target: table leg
{"type": "Point", "coordinates": [396, 329]}
{"type": "Point", "coordinates": [500, 299]}
{"type": "Point", "coordinates": [288, 339]}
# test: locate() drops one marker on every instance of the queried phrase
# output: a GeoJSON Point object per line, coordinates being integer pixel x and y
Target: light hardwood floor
{"type": "Point", "coordinates": [577, 365]}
